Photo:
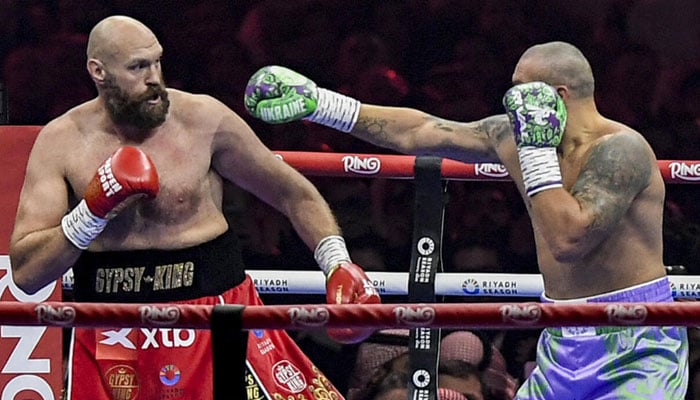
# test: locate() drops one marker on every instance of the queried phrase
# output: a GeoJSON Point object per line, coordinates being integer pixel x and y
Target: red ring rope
{"type": "Point", "coordinates": [401, 166]}
{"type": "Point", "coordinates": [379, 316]}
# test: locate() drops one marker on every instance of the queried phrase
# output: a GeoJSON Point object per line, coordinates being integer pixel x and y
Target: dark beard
{"type": "Point", "coordinates": [135, 111]}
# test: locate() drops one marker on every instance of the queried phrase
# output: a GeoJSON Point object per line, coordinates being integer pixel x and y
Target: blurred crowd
{"type": "Point", "coordinates": [452, 58]}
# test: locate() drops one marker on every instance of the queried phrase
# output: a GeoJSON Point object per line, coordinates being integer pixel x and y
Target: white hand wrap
{"type": "Point", "coordinates": [335, 110]}
{"type": "Point", "coordinates": [330, 252]}
{"type": "Point", "coordinates": [540, 167]}
{"type": "Point", "coordinates": [81, 226]}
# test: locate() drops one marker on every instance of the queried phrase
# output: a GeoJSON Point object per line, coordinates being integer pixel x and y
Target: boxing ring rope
{"type": "Point", "coordinates": [377, 316]}
{"type": "Point", "coordinates": [401, 167]}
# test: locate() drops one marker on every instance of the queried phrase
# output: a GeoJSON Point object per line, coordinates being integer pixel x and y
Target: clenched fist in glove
{"type": "Point", "coordinates": [346, 283]}
{"type": "Point", "coordinates": [127, 174]}
{"type": "Point", "coordinates": [277, 95]}
{"type": "Point", "coordinates": [538, 116]}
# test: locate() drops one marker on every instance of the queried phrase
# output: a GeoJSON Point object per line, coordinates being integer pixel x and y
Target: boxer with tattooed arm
{"type": "Point", "coordinates": [594, 193]}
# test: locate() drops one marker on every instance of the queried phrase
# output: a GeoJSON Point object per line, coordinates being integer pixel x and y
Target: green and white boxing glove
{"type": "Point", "coordinates": [278, 95]}
{"type": "Point", "coordinates": [538, 116]}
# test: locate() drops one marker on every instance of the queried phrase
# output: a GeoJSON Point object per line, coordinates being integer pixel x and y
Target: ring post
{"type": "Point", "coordinates": [424, 342]}
{"type": "Point", "coordinates": [229, 344]}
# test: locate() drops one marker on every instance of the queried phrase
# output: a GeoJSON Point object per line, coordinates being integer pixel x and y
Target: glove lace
{"type": "Point", "coordinates": [335, 110]}
{"type": "Point", "coordinates": [81, 226]}
{"type": "Point", "coordinates": [330, 252]}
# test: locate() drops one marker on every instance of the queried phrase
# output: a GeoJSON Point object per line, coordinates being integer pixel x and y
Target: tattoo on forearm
{"type": "Point", "coordinates": [372, 129]}
{"type": "Point", "coordinates": [442, 124]}
{"type": "Point", "coordinates": [616, 171]}
{"type": "Point", "coordinates": [496, 127]}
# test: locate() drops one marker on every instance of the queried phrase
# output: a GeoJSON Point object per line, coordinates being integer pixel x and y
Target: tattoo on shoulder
{"type": "Point", "coordinates": [617, 169]}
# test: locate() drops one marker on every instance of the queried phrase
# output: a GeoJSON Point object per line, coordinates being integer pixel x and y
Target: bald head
{"type": "Point", "coordinates": [560, 63]}
{"type": "Point", "coordinates": [118, 34]}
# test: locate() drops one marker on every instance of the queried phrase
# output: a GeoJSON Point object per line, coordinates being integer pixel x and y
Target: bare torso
{"type": "Point", "coordinates": [630, 252]}
{"type": "Point", "coordinates": [201, 144]}
{"type": "Point", "coordinates": [187, 210]}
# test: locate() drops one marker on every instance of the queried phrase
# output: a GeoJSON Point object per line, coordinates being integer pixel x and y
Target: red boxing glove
{"type": "Point", "coordinates": [125, 174]}
{"type": "Point", "coordinates": [347, 283]}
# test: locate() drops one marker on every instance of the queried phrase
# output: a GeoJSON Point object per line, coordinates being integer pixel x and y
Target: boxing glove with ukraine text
{"type": "Point", "coordinates": [346, 283]}
{"type": "Point", "coordinates": [538, 116]}
{"type": "Point", "coordinates": [277, 95]}
{"type": "Point", "coordinates": [126, 175]}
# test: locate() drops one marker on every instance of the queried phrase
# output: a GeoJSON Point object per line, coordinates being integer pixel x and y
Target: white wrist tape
{"type": "Point", "coordinates": [81, 226]}
{"type": "Point", "coordinates": [335, 110]}
{"type": "Point", "coordinates": [540, 167]}
{"type": "Point", "coordinates": [330, 252]}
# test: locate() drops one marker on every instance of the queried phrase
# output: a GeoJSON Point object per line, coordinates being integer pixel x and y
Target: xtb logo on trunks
{"type": "Point", "coordinates": [130, 279]}
{"type": "Point", "coordinates": [424, 264]}
{"type": "Point", "coordinates": [128, 338]}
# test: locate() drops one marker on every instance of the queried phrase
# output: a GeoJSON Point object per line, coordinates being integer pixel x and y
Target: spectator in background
{"type": "Point", "coordinates": [383, 353]}
{"type": "Point", "coordinates": [303, 33]}
{"type": "Point", "coordinates": [34, 97]}
{"type": "Point", "coordinates": [476, 348]}
{"type": "Point", "coordinates": [369, 251]}
{"type": "Point", "coordinates": [388, 20]}
{"type": "Point", "coordinates": [208, 59]}
{"type": "Point", "coordinates": [627, 87]}
{"type": "Point", "coordinates": [350, 200]}
{"type": "Point", "coordinates": [474, 257]}
{"type": "Point", "coordinates": [679, 126]}
{"type": "Point", "coordinates": [392, 219]}
{"type": "Point", "coordinates": [519, 349]}
{"type": "Point", "coordinates": [520, 245]}
{"type": "Point", "coordinates": [357, 52]}
{"type": "Point", "coordinates": [452, 91]}
{"type": "Point", "coordinates": [609, 34]}
{"type": "Point", "coordinates": [674, 137]}
{"type": "Point", "coordinates": [220, 70]}
{"type": "Point", "coordinates": [76, 17]}
{"type": "Point", "coordinates": [694, 386]}
{"type": "Point", "coordinates": [10, 27]}
{"type": "Point", "coordinates": [694, 361]}
{"type": "Point", "coordinates": [457, 380]}
{"type": "Point", "coordinates": [671, 29]}
{"type": "Point", "coordinates": [375, 81]}
{"type": "Point", "coordinates": [478, 212]}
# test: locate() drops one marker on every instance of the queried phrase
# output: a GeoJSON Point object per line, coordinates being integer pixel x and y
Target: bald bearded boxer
{"type": "Point", "coordinates": [594, 193]}
{"type": "Point", "coordinates": [127, 189]}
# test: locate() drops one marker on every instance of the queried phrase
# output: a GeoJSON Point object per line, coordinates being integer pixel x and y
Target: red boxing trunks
{"type": "Point", "coordinates": [168, 363]}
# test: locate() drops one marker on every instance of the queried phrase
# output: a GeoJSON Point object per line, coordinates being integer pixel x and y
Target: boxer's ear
{"type": "Point", "coordinates": [562, 91]}
{"type": "Point", "coordinates": [97, 71]}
